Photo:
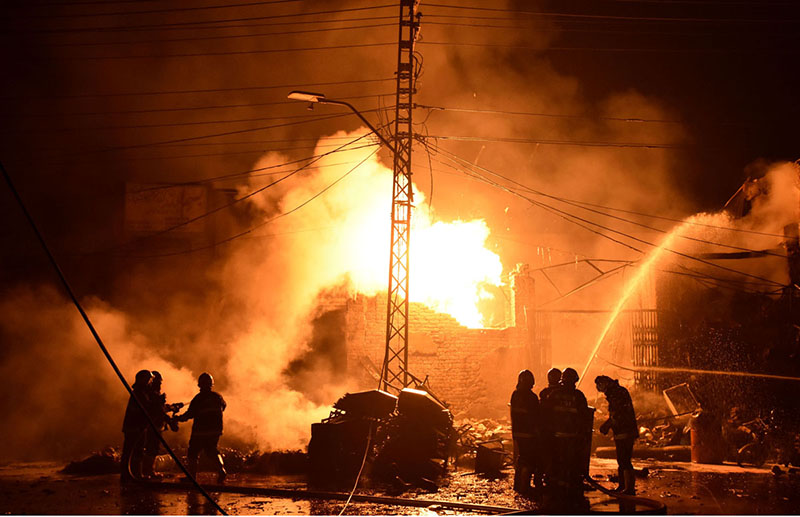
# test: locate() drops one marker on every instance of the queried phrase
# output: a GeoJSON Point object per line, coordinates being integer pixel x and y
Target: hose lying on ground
{"type": "Point", "coordinates": [654, 507]}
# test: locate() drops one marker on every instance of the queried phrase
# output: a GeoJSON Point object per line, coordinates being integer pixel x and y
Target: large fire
{"type": "Point", "coordinates": [450, 265]}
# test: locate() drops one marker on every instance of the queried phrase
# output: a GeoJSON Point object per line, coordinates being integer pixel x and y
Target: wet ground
{"type": "Point", "coordinates": [38, 488]}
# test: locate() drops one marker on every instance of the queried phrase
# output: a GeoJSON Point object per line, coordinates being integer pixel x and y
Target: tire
{"type": "Point", "coordinates": [751, 455]}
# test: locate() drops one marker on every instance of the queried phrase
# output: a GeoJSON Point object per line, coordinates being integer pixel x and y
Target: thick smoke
{"type": "Point", "coordinates": [252, 318]}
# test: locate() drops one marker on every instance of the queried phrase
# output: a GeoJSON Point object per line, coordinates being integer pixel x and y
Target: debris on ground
{"type": "Point", "coordinates": [99, 463]}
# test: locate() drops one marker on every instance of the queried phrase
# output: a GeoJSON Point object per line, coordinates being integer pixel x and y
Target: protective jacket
{"type": "Point", "coordinates": [546, 392]}
{"type": "Point", "coordinates": [135, 419]}
{"type": "Point", "coordinates": [621, 414]}
{"type": "Point", "coordinates": [206, 409]}
{"type": "Point", "coordinates": [566, 408]}
{"type": "Point", "coordinates": [524, 414]}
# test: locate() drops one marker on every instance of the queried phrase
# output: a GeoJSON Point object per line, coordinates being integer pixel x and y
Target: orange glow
{"type": "Point", "coordinates": [449, 262]}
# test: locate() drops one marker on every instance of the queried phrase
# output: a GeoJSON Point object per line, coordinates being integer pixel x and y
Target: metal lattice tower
{"type": "Point", "coordinates": [395, 362]}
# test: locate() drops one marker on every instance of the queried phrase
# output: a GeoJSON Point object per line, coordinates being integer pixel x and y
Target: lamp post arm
{"type": "Point", "coordinates": [363, 119]}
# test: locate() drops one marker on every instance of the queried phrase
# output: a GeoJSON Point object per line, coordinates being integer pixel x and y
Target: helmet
{"type": "Point", "coordinates": [570, 376]}
{"type": "Point", "coordinates": [554, 376]}
{"type": "Point", "coordinates": [525, 380]}
{"type": "Point", "coordinates": [142, 377]}
{"type": "Point", "coordinates": [205, 381]}
{"type": "Point", "coordinates": [156, 376]}
{"type": "Point", "coordinates": [602, 382]}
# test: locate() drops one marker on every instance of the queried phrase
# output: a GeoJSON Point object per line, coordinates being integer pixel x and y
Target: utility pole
{"type": "Point", "coordinates": [394, 372]}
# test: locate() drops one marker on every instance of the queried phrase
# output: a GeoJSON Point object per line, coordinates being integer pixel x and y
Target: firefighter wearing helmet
{"type": "Point", "coordinates": [621, 420]}
{"type": "Point", "coordinates": [134, 426]}
{"type": "Point", "coordinates": [206, 410]}
{"type": "Point", "coordinates": [525, 432]}
{"type": "Point", "coordinates": [566, 409]}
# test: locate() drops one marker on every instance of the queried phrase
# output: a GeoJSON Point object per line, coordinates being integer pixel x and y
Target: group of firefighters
{"type": "Point", "coordinates": [141, 441]}
{"type": "Point", "coordinates": [552, 433]}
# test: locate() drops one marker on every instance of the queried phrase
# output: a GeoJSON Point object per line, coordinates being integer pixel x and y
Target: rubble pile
{"type": "Point", "coordinates": [405, 440]}
{"type": "Point", "coordinates": [99, 463]}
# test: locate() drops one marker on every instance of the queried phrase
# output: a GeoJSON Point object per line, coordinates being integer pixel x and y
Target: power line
{"type": "Point", "coordinates": [263, 223]}
{"type": "Point", "coordinates": [613, 17]}
{"type": "Point", "coordinates": [86, 30]}
{"type": "Point", "coordinates": [220, 53]}
{"type": "Point", "coordinates": [205, 90]}
{"type": "Point", "coordinates": [210, 38]}
{"type": "Point", "coordinates": [560, 115]}
{"type": "Point", "coordinates": [189, 108]}
{"type": "Point", "coordinates": [172, 124]}
{"type": "Point", "coordinates": [610, 49]}
{"type": "Point", "coordinates": [578, 143]}
{"type": "Point", "coordinates": [159, 11]}
{"type": "Point", "coordinates": [243, 197]}
{"type": "Point", "coordinates": [224, 20]}
{"type": "Point", "coordinates": [566, 214]}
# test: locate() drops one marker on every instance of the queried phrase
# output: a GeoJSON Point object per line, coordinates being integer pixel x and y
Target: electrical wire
{"type": "Point", "coordinates": [210, 27]}
{"type": "Point", "coordinates": [188, 108]}
{"type": "Point", "coordinates": [244, 197]}
{"type": "Point", "coordinates": [614, 17]}
{"type": "Point", "coordinates": [224, 20]}
{"type": "Point", "coordinates": [210, 38]}
{"type": "Point", "coordinates": [99, 340]}
{"type": "Point", "coordinates": [201, 91]}
{"type": "Point", "coordinates": [360, 470]}
{"type": "Point", "coordinates": [263, 223]}
{"type": "Point", "coordinates": [570, 217]}
{"type": "Point", "coordinates": [160, 11]}
{"type": "Point", "coordinates": [220, 53]}
{"type": "Point", "coordinates": [578, 143]}
{"type": "Point", "coordinates": [780, 50]}
{"type": "Point", "coordinates": [171, 124]}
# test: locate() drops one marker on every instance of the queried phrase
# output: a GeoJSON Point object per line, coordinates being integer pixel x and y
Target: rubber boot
{"type": "Point", "coordinates": [222, 472]}
{"type": "Point", "coordinates": [522, 479]}
{"type": "Point", "coordinates": [148, 467]}
{"type": "Point", "coordinates": [630, 482]}
{"type": "Point", "coordinates": [621, 481]}
{"type": "Point", "coordinates": [191, 468]}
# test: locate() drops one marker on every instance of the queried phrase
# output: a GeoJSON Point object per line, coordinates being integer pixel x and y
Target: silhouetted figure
{"type": "Point", "coordinates": [525, 432]}
{"type": "Point", "coordinates": [566, 411]}
{"type": "Point", "coordinates": [134, 426]}
{"type": "Point", "coordinates": [553, 382]}
{"type": "Point", "coordinates": [547, 451]}
{"type": "Point", "coordinates": [206, 409]}
{"type": "Point", "coordinates": [621, 420]}
{"type": "Point", "coordinates": [158, 411]}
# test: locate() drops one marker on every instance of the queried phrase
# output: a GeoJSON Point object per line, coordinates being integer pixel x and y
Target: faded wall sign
{"type": "Point", "coordinates": [154, 208]}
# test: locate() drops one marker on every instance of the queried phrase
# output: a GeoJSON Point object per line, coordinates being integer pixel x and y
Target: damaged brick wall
{"type": "Point", "coordinates": [473, 370]}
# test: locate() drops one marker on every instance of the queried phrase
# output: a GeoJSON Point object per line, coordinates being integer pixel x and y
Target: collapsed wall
{"type": "Point", "coordinates": [472, 370]}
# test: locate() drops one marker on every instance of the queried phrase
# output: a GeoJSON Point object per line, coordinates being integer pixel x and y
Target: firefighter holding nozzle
{"type": "Point", "coordinates": [621, 420]}
{"type": "Point", "coordinates": [206, 410]}
{"type": "Point", "coordinates": [526, 433]}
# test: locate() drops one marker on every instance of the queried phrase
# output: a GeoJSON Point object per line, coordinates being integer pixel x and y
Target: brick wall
{"type": "Point", "coordinates": [473, 370]}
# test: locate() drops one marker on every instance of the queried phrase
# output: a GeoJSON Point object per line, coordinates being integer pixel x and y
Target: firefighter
{"type": "Point", "coordinates": [553, 382]}
{"type": "Point", "coordinates": [566, 409]}
{"type": "Point", "coordinates": [546, 451]}
{"type": "Point", "coordinates": [621, 420]}
{"type": "Point", "coordinates": [206, 409]}
{"type": "Point", "coordinates": [157, 409]}
{"type": "Point", "coordinates": [134, 426]}
{"type": "Point", "coordinates": [524, 422]}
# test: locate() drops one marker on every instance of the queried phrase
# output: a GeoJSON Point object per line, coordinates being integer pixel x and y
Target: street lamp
{"type": "Point", "coordinates": [319, 98]}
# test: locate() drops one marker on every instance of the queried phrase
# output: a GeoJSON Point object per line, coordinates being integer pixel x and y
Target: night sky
{"type": "Point", "coordinates": [96, 94]}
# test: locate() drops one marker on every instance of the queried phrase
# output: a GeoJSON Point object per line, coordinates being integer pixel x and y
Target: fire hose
{"type": "Point", "coordinates": [653, 507]}
{"type": "Point", "coordinates": [99, 340]}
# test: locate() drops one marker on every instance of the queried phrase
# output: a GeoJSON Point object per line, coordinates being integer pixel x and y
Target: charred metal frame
{"type": "Point", "coordinates": [395, 361]}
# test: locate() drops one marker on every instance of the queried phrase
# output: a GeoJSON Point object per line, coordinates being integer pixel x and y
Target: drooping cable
{"type": "Point", "coordinates": [99, 340]}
